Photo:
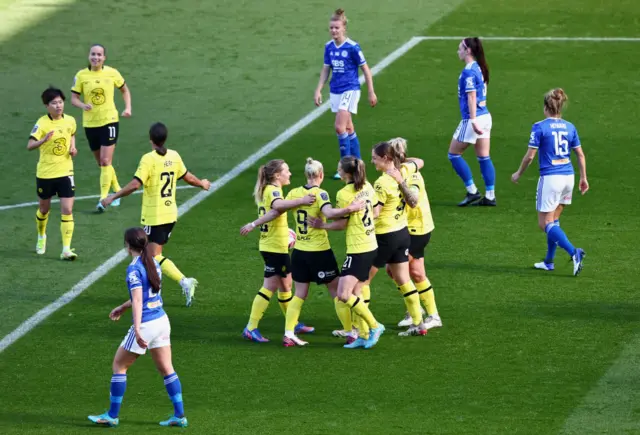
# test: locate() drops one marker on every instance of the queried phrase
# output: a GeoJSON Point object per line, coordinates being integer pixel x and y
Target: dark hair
{"type": "Point", "coordinates": [51, 94]}
{"type": "Point", "coordinates": [385, 149]}
{"type": "Point", "coordinates": [104, 49]}
{"type": "Point", "coordinates": [475, 45]}
{"type": "Point", "coordinates": [158, 134]}
{"type": "Point", "coordinates": [137, 240]}
{"type": "Point", "coordinates": [266, 174]}
{"type": "Point", "coordinates": [354, 167]}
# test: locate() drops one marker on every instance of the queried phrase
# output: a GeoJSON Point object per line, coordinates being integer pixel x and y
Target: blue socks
{"type": "Point", "coordinates": [556, 235]}
{"type": "Point", "coordinates": [118, 386]}
{"type": "Point", "coordinates": [551, 248]}
{"type": "Point", "coordinates": [488, 175]}
{"type": "Point", "coordinates": [345, 145]}
{"type": "Point", "coordinates": [174, 389]}
{"type": "Point", "coordinates": [355, 145]}
{"type": "Point", "coordinates": [462, 169]}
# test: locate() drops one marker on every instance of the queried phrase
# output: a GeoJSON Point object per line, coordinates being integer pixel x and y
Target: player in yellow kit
{"type": "Point", "coordinates": [274, 244]}
{"type": "Point", "coordinates": [158, 172]}
{"type": "Point", "coordinates": [361, 245]}
{"type": "Point", "coordinates": [312, 259]}
{"type": "Point", "coordinates": [420, 223]}
{"type": "Point", "coordinates": [392, 232]}
{"type": "Point", "coordinates": [96, 84]}
{"type": "Point", "coordinates": [55, 136]}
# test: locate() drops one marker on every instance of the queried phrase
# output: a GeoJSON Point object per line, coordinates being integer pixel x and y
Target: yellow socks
{"type": "Point", "coordinates": [115, 186]}
{"type": "Point", "coordinates": [283, 300]}
{"type": "Point", "coordinates": [428, 298]}
{"type": "Point", "coordinates": [362, 310]}
{"type": "Point", "coordinates": [412, 301]}
{"type": "Point", "coordinates": [169, 268]}
{"type": "Point", "coordinates": [259, 306]}
{"type": "Point", "coordinates": [41, 223]}
{"type": "Point", "coordinates": [344, 314]}
{"type": "Point", "coordinates": [293, 313]}
{"type": "Point", "coordinates": [105, 180]}
{"type": "Point", "coordinates": [363, 328]}
{"type": "Point", "coordinates": [66, 228]}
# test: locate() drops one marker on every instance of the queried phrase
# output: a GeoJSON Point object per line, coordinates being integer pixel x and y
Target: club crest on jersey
{"type": "Point", "coordinates": [344, 53]}
{"type": "Point", "coordinates": [324, 196]}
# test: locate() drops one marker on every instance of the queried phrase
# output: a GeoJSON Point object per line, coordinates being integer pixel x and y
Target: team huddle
{"type": "Point", "coordinates": [387, 224]}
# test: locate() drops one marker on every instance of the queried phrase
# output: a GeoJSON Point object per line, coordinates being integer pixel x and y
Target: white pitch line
{"type": "Point", "coordinates": [77, 198]}
{"type": "Point", "coordinates": [105, 267]}
{"type": "Point", "coordinates": [535, 38]}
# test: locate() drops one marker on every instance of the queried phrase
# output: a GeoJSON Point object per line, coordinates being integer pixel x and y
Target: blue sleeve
{"type": "Point", "coordinates": [357, 56]}
{"type": "Point", "coordinates": [534, 138]}
{"type": "Point", "coordinates": [575, 140]}
{"type": "Point", "coordinates": [327, 61]}
{"type": "Point", "coordinates": [134, 278]}
{"type": "Point", "coordinates": [469, 80]}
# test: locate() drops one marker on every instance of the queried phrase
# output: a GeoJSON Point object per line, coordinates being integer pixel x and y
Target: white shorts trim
{"type": "Point", "coordinates": [554, 190]}
{"type": "Point", "coordinates": [347, 100]}
{"type": "Point", "coordinates": [465, 133]}
{"type": "Point", "coordinates": [157, 333]}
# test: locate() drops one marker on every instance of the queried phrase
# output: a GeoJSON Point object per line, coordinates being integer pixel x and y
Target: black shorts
{"type": "Point", "coordinates": [61, 186]}
{"type": "Point", "coordinates": [276, 264]}
{"type": "Point", "coordinates": [104, 136]}
{"type": "Point", "coordinates": [358, 265]}
{"type": "Point", "coordinates": [159, 233]}
{"type": "Point", "coordinates": [418, 244]}
{"type": "Point", "coordinates": [393, 248]}
{"type": "Point", "coordinates": [319, 267]}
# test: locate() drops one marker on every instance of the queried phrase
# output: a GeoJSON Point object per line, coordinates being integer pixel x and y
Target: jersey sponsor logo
{"type": "Point", "coordinates": [344, 53]}
{"type": "Point", "coordinates": [324, 196]}
{"type": "Point", "coordinates": [59, 147]}
{"type": "Point", "coordinates": [97, 96]}
{"type": "Point", "coordinates": [558, 162]}
{"type": "Point", "coordinates": [154, 304]}
{"type": "Point", "coordinates": [35, 128]}
{"type": "Point", "coordinates": [337, 64]}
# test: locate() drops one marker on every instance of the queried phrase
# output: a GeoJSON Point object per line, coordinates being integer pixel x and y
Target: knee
{"type": "Point", "coordinates": [104, 161]}
{"type": "Point", "coordinates": [417, 274]}
{"type": "Point", "coordinates": [118, 369]}
{"type": "Point", "coordinates": [166, 369]}
{"type": "Point", "coordinates": [340, 129]}
{"type": "Point", "coordinates": [453, 155]}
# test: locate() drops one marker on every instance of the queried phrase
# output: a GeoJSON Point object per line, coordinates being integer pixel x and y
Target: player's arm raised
{"type": "Point", "coordinates": [410, 195]}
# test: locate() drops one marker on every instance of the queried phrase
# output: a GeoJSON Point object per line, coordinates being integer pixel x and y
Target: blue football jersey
{"type": "Point", "coordinates": [470, 80]}
{"type": "Point", "coordinates": [151, 301]}
{"type": "Point", "coordinates": [554, 138]}
{"type": "Point", "coordinates": [344, 62]}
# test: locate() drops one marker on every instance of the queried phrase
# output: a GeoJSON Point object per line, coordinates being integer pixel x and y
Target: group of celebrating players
{"type": "Point", "coordinates": [387, 225]}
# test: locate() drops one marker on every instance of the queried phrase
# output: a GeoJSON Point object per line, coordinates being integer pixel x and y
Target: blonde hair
{"type": "Point", "coordinates": [399, 146]}
{"type": "Point", "coordinates": [554, 101]}
{"type": "Point", "coordinates": [313, 168]}
{"type": "Point", "coordinates": [266, 174]}
{"type": "Point", "coordinates": [339, 15]}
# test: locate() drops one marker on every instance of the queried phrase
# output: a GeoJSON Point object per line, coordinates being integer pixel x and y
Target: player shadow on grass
{"type": "Point", "coordinates": [522, 270]}
{"type": "Point", "coordinates": [623, 313]}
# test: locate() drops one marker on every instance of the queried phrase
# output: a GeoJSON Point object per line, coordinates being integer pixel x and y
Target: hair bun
{"type": "Point", "coordinates": [309, 160]}
{"type": "Point", "coordinates": [339, 11]}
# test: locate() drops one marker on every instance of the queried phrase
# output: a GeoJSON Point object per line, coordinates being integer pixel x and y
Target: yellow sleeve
{"type": "Point", "coordinates": [77, 84]}
{"type": "Point", "coordinates": [323, 199]}
{"type": "Point", "coordinates": [182, 170]}
{"type": "Point", "coordinates": [142, 173]}
{"type": "Point", "coordinates": [381, 193]}
{"type": "Point", "coordinates": [74, 126]}
{"type": "Point", "coordinates": [408, 168]}
{"type": "Point", "coordinates": [341, 200]}
{"type": "Point", "coordinates": [37, 132]}
{"type": "Point", "coordinates": [118, 80]}
{"type": "Point", "coordinates": [289, 196]}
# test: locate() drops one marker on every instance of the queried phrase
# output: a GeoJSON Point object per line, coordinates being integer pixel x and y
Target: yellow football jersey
{"type": "Point", "coordinates": [159, 175]}
{"type": "Point", "coordinates": [274, 236]}
{"type": "Point", "coordinates": [55, 160]}
{"type": "Point", "coordinates": [309, 238]}
{"type": "Point", "coordinates": [393, 215]}
{"type": "Point", "coordinates": [97, 87]}
{"type": "Point", "coordinates": [361, 235]}
{"type": "Point", "coordinates": [419, 217]}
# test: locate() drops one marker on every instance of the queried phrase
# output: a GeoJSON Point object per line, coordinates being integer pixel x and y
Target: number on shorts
{"type": "Point", "coordinates": [112, 132]}
{"type": "Point", "coordinates": [147, 230]}
{"type": "Point", "coordinates": [561, 143]}
{"type": "Point", "coordinates": [167, 188]}
{"type": "Point", "coordinates": [347, 262]}
{"type": "Point", "coordinates": [366, 219]}
{"type": "Point", "coordinates": [264, 228]}
{"type": "Point", "coordinates": [71, 180]}
{"type": "Point", "coordinates": [303, 228]}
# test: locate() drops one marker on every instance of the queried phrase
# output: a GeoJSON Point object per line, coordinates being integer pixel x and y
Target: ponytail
{"type": "Point", "coordinates": [137, 241]}
{"type": "Point", "coordinates": [477, 51]}
{"type": "Point", "coordinates": [399, 146]}
{"type": "Point", "coordinates": [355, 168]}
{"type": "Point", "coordinates": [266, 174]}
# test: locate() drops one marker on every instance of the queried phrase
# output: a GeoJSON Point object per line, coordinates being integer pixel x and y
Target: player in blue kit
{"type": "Point", "coordinates": [150, 330]}
{"type": "Point", "coordinates": [555, 138]}
{"type": "Point", "coordinates": [342, 58]}
{"type": "Point", "coordinates": [475, 127]}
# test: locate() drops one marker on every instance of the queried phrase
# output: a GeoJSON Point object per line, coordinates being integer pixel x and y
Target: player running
{"type": "Point", "coordinates": [420, 224]}
{"type": "Point", "coordinates": [55, 136]}
{"type": "Point", "coordinates": [158, 172]}
{"type": "Point", "coordinates": [555, 138]}
{"type": "Point", "coordinates": [274, 244]}
{"type": "Point", "coordinates": [361, 247]}
{"type": "Point", "coordinates": [475, 127]}
{"type": "Point", "coordinates": [150, 330]}
{"type": "Point", "coordinates": [342, 57]}
{"type": "Point", "coordinates": [100, 116]}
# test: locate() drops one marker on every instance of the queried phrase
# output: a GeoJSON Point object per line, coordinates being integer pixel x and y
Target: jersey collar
{"type": "Point", "coordinates": [306, 186]}
{"type": "Point", "coordinates": [49, 115]}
